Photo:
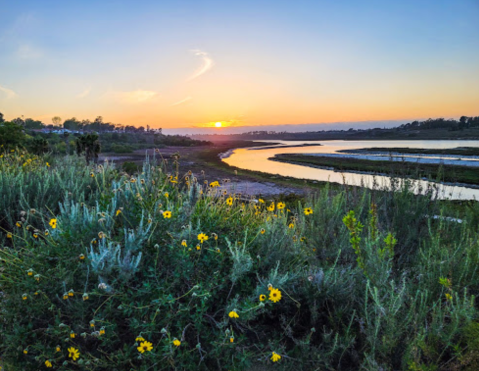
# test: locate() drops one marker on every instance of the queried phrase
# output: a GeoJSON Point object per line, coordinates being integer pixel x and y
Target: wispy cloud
{"type": "Point", "coordinates": [26, 51]}
{"type": "Point", "coordinates": [207, 64]}
{"type": "Point", "coordinates": [84, 93]}
{"type": "Point", "coordinates": [182, 101]}
{"type": "Point", "coordinates": [132, 97]}
{"type": "Point", "coordinates": [9, 92]}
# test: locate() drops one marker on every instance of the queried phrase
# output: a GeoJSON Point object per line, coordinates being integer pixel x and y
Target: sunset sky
{"type": "Point", "coordinates": [194, 63]}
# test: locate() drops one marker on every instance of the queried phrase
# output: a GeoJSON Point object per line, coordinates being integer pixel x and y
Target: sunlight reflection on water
{"type": "Point", "coordinates": [258, 160]}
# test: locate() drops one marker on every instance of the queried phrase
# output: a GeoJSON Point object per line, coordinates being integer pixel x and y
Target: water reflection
{"type": "Point", "coordinates": [258, 160]}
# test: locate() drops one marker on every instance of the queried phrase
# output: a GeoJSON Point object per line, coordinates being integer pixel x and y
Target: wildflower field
{"type": "Point", "coordinates": [163, 270]}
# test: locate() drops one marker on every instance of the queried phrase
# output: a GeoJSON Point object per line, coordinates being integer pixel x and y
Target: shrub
{"type": "Point", "coordinates": [157, 271]}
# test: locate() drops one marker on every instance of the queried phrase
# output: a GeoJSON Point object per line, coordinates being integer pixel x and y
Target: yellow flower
{"type": "Point", "coordinates": [48, 364]}
{"type": "Point", "coordinates": [25, 351]}
{"type": "Point", "coordinates": [81, 257]}
{"type": "Point", "coordinates": [308, 211]}
{"type": "Point", "coordinates": [166, 194]}
{"type": "Point", "coordinates": [302, 239]}
{"type": "Point", "coordinates": [448, 297]}
{"type": "Point", "coordinates": [281, 205]}
{"type": "Point", "coordinates": [48, 165]}
{"type": "Point", "coordinates": [202, 237]}
{"type": "Point", "coordinates": [263, 231]}
{"type": "Point", "coordinates": [18, 224]}
{"type": "Point", "coordinates": [24, 297]}
{"type": "Point", "coordinates": [139, 339]}
{"type": "Point", "coordinates": [232, 339]}
{"type": "Point", "coordinates": [73, 353]}
{"type": "Point", "coordinates": [176, 343]}
{"type": "Point", "coordinates": [85, 296]}
{"type": "Point", "coordinates": [46, 232]}
{"type": "Point", "coordinates": [53, 223]}
{"type": "Point", "coordinates": [118, 212]}
{"type": "Point", "coordinates": [72, 335]}
{"type": "Point", "coordinates": [167, 214]}
{"type": "Point", "coordinates": [183, 243]}
{"type": "Point", "coordinates": [102, 331]}
{"type": "Point", "coordinates": [233, 314]}
{"type": "Point", "coordinates": [198, 247]}
{"type": "Point", "coordinates": [229, 201]}
{"type": "Point", "coordinates": [271, 207]}
{"type": "Point", "coordinates": [275, 295]}
{"type": "Point", "coordinates": [291, 225]}
{"type": "Point", "coordinates": [65, 296]}
{"type": "Point", "coordinates": [275, 357]}
{"type": "Point", "coordinates": [132, 180]}
{"type": "Point", "coordinates": [58, 348]}
{"type": "Point", "coordinates": [30, 272]}
{"type": "Point", "coordinates": [262, 297]}
{"type": "Point", "coordinates": [215, 184]}
{"type": "Point", "coordinates": [261, 201]}
{"type": "Point", "coordinates": [92, 174]}
{"type": "Point", "coordinates": [9, 235]}
{"type": "Point", "coordinates": [145, 346]}
{"type": "Point", "coordinates": [35, 235]}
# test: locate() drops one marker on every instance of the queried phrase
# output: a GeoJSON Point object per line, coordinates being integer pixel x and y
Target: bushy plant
{"type": "Point", "coordinates": [158, 271]}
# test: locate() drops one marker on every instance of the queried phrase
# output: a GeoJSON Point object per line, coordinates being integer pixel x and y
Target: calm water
{"type": "Point", "coordinates": [254, 159]}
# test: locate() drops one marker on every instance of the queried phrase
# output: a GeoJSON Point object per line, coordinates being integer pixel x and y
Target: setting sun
{"type": "Point", "coordinates": [218, 124]}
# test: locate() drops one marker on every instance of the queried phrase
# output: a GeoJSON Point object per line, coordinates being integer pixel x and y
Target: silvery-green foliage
{"type": "Point", "coordinates": [277, 279]}
{"type": "Point", "coordinates": [42, 189]}
{"type": "Point", "coordinates": [76, 216]}
{"type": "Point", "coordinates": [110, 257]}
{"type": "Point", "coordinates": [242, 261]}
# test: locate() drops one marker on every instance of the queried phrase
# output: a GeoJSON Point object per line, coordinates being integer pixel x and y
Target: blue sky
{"type": "Point", "coordinates": [185, 63]}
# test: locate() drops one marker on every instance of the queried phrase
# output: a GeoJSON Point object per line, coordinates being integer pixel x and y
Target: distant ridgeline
{"type": "Point", "coordinates": [464, 128]}
{"type": "Point", "coordinates": [62, 138]}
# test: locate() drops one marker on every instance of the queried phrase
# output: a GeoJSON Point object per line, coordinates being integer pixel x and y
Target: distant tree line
{"type": "Point", "coordinates": [91, 138]}
{"type": "Point", "coordinates": [73, 124]}
{"type": "Point", "coordinates": [464, 122]}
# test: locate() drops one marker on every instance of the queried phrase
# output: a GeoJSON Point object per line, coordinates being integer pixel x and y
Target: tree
{"type": "Point", "coordinates": [33, 124]}
{"type": "Point", "coordinates": [56, 120]}
{"type": "Point", "coordinates": [11, 134]}
{"type": "Point", "coordinates": [89, 144]}
{"type": "Point", "coordinates": [71, 124]}
{"type": "Point", "coordinates": [39, 145]}
{"type": "Point", "coordinates": [1, 118]}
{"type": "Point", "coordinates": [66, 138]}
{"type": "Point", "coordinates": [19, 121]}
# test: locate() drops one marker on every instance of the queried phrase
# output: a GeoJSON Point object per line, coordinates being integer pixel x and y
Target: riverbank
{"type": "Point", "coordinates": [208, 161]}
{"type": "Point", "coordinates": [459, 151]}
{"type": "Point", "coordinates": [452, 175]}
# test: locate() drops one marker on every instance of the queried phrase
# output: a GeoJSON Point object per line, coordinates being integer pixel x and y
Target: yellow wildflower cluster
{"type": "Point", "coordinates": [274, 294]}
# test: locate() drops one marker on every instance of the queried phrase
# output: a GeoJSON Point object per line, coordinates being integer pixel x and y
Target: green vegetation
{"type": "Point", "coordinates": [110, 138]}
{"type": "Point", "coordinates": [433, 172]}
{"type": "Point", "coordinates": [460, 151]}
{"type": "Point", "coordinates": [102, 270]}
